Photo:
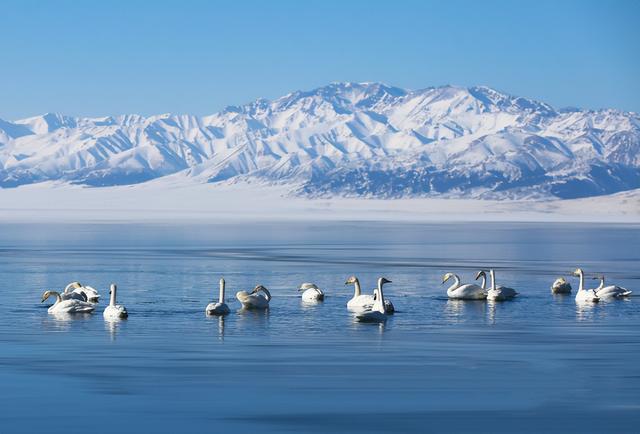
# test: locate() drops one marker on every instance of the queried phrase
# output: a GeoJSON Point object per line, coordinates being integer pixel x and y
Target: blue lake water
{"type": "Point", "coordinates": [538, 364]}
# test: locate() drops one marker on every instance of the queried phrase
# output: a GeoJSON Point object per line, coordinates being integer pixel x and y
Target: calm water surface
{"type": "Point", "coordinates": [537, 364]}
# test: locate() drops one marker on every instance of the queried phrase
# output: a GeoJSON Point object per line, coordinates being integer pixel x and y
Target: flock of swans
{"type": "Point", "coordinates": [78, 298]}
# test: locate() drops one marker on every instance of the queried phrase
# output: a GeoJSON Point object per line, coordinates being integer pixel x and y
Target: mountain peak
{"type": "Point", "coordinates": [346, 138]}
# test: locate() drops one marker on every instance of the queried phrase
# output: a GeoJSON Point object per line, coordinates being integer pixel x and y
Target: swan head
{"type": "Point", "coordinates": [447, 277]}
{"type": "Point", "coordinates": [257, 289]}
{"type": "Point", "coordinates": [383, 280]}
{"type": "Point", "coordinates": [48, 294]}
{"type": "Point", "coordinates": [306, 286]}
{"type": "Point", "coordinates": [577, 272]}
{"type": "Point", "coordinates": [480, 274]}
{"type": "Point", "coordinates": [222, 282]}
{"type": "Point", "coordinates": [351, 280]}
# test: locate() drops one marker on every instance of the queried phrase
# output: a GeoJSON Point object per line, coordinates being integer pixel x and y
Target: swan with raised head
{"type": "Point", "coordinates": [258, 298]}
{"type": "Point", "coordinates": [611, 291]}
{"type": "Point", "coordinates": [219, 308]}
{"type": "Point", "coordinates": [66, 306]}
{"type": "Point", "coordinates": [114, 311]}
{"type": "Point", "coordinates": [469, 291]}
{"type": "Point", "coordinates": [361, 301]}
{"type": "Point", "coordinates": [91, 293]}
{"type": "Point", "coordinates": [584, 295]}
{"type": "Point", "coordinates": [377, 312]}
{"type": "Point", "coordinates": [499, 293]}
{"type": "Point", "coordinates": [561, 286]}
{"type": "Point", "coordinates": [311, 292]}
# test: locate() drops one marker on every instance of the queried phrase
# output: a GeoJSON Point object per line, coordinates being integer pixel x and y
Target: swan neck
{"type": "Point", "coordinates": [357, 290]}
{"type": "Point", "coordinates": [266, 291]}
{"type": "Point", "coordinates": [379, 304]}
{"type": "Point", "coordinates": [484, 281]}
{"type": "Point", "coordinates": [493, 279]}
{"type": "Point", "coordinates": [112, 291]}
{"type": "Point", "coordinates": [57, 295]}
{"type": "Point", "coordinates": [581, 285]}
{"type": "Point", "coordinates": [221, 300]}
{"type": "Point", "coordinates": [456, 284]}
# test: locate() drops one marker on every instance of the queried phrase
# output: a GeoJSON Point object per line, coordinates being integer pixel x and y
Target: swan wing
{"type": "Point", "coordinates": [613, 291]}
{"type": "Point", "coordinates": [469, 291]}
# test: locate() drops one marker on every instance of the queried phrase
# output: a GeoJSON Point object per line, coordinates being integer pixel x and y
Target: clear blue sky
{"type": "Point", "coordinates": [112, 57]}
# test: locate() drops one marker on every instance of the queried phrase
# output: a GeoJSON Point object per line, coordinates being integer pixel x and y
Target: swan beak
{"type": "Point", "coordinates": [347, 282]}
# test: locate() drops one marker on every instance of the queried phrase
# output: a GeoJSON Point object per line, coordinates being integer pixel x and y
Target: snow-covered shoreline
{"type": "Point", "coordinates": [152, 202]}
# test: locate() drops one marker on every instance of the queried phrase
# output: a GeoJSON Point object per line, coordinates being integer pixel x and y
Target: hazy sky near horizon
{"type": "Point", "coordinates": [104, 58]}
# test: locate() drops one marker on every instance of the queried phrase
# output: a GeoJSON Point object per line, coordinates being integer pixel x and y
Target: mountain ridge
{"type": "Point", "coordinates": [344, 139]}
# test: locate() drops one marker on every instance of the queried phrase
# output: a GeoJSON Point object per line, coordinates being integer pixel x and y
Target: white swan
{"type": "Point", "coordinates": [73, 291]}
{"type": "Point", "coordinates": [482, 274]}
{"type": "Point", "coordinates": [500, 293]}
{"type": "Point", "coordinates": [361, 301]}
{"type": "Point", "coordinates": [219, 308]}
{"type": "Point", "coordinates": [377, 312]}
{"type": "Point", "coordinates": [584, 295]}
{"type": "Point", "coordinates": [259, 298]}
{"type": "Point", "coordinates": [561, 286]}
{"type": "Point", "coordinates": [114, 311]}
{"type": "Point", "coordinates": [76, 287]}
{"type": "Point", "coordinates": [469, 291]}
{"type": "Point", "coordinates": [311, 292]}
{"type": "Point", "coordinates": [67, 306]}
{"type": "Point", "coordinates": [611, 291]}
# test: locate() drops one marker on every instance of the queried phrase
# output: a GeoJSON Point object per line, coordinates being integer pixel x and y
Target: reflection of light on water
{"type": "Point", "coordinates": [63, 321]}
{"type": "Point", "coordinates": [585, 310]}
{"type": "Point", "coordinates": [112, 325]}
{"type": "Point", "coordinates": [309, 305]}
{"type": "Point", "coordinates": [221, 327]}
{"type": "Point", "coordinates": [561, 297]}
{"type": "Point", "coordinates": [252, 318]}
{"type": "Point", "coordinates": [220, 320]}
{"type": "Point", "coordinates": [461, 310]}
{"type": "Point", "coordinates": [491, 307]}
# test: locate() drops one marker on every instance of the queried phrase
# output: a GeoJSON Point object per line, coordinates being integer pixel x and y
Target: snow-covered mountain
{"type": "Point", "coordinates": [348, 139]}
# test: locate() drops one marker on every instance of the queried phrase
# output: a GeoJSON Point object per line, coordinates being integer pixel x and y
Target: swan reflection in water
{"type": "Point", "coordinates": [381, 326]}
{"type": "Point", "coordinates": [586, 310]}
{"type": "Point", "coordinates": [112, 325]}
{"type": "Point", "coordinates": [220, 319]}
{"type": "Point", "coordinates": [63, 321]}
{"type": "Point", "coordinates": [257, 319]}
{"type": "Point", "coordinates": [464, 310]}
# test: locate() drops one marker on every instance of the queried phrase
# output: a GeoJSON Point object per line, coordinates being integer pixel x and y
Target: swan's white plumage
{"type": "Point", "coordinates": [91, 293]}
{"type": "Point", "coordinates": [611, 291]}
{"type": "Point", "coordinates": [468, 291]}
{"type": "Point", "coordinates": [259, 298]}
{"type": "Point", "coordinates": [584, 295]}
{"type": "Point", "coordinates": [561, 286]}
{"type": "Point", "coordinates": [219, 308]}
{"type": "Point", "coordinates": [377, 312]}
{"type": "Point", "coordinates": [67, 306]}
{"type": "Point", "coordinates": [311, 292]}
{"type": "Point", "coordinates": [114, 310]}
{"type": "Point", "coordinates": [499, 293]}
{"type": "Point", "coordinates": [361, 301]}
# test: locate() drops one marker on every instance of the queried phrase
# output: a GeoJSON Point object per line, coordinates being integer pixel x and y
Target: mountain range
{"type": "Point", "coordinates": [344, 139]}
